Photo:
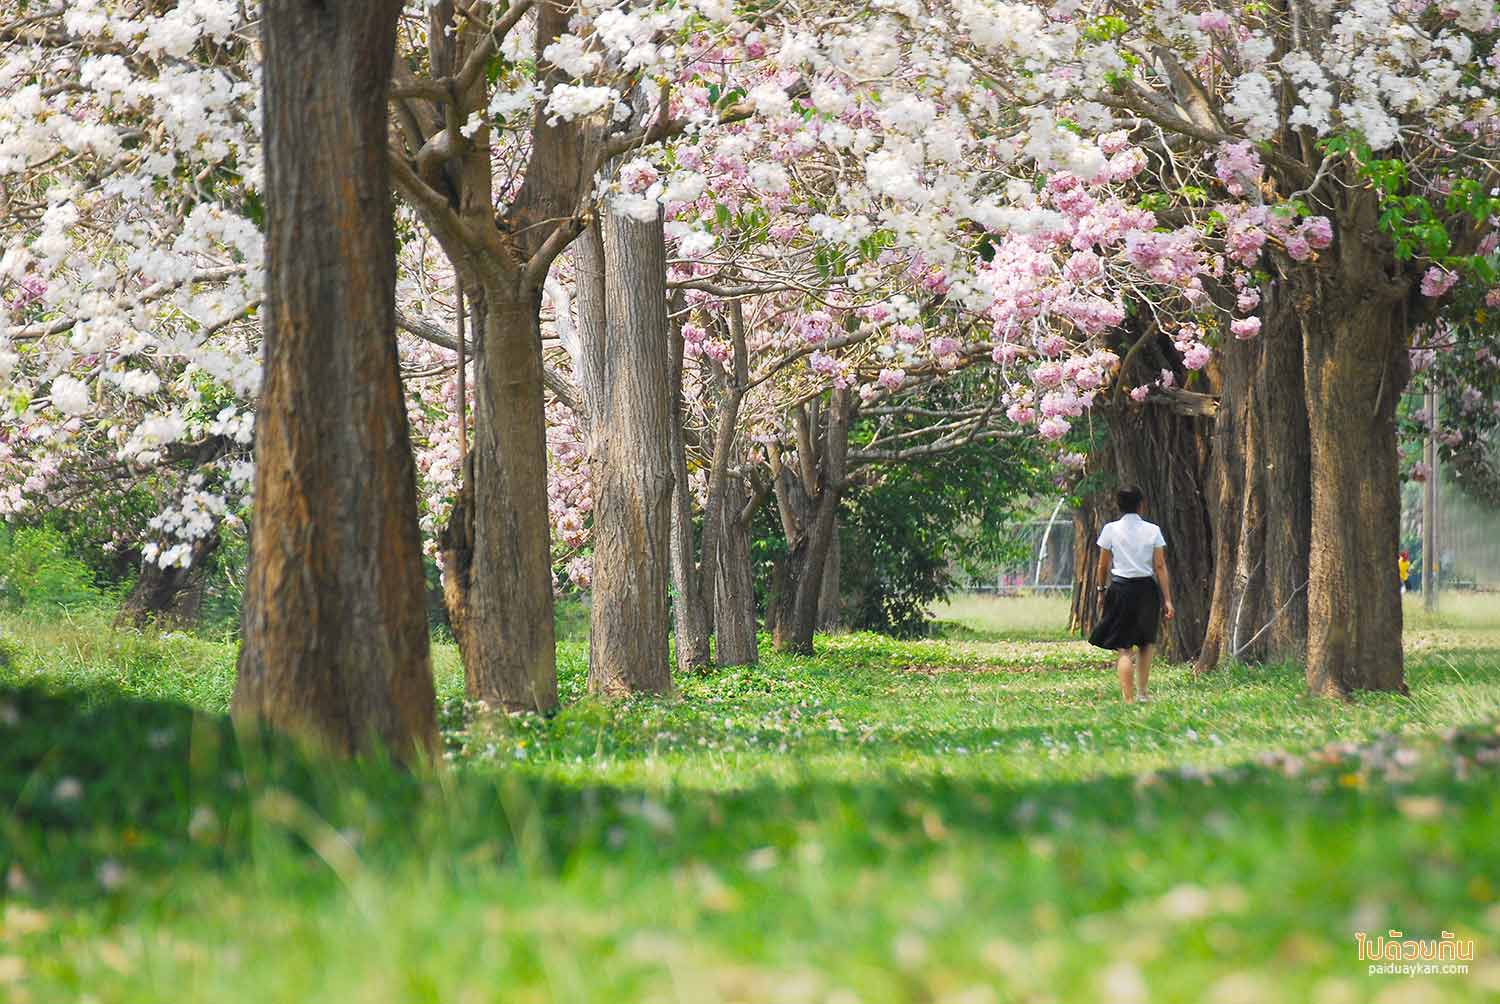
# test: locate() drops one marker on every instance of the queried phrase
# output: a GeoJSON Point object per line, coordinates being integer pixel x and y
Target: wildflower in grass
{"type": "Point", "coordinates": [1186, 902]}
{"type": "Point", "coordinates": [110, 875]}
{"type": "Point", "coordinates": [1123, 983]}
{"type": "Point", "coordinates": [204, 824]}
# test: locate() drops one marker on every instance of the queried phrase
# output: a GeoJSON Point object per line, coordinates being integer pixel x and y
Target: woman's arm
{"type": "Point", "coordinates": [1159, 565]}
{"type": "Point", "coordinates": [1106, 562]}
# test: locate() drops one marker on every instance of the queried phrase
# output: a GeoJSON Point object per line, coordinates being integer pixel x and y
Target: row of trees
{"type": "Point", "coordinates": [736, 256]}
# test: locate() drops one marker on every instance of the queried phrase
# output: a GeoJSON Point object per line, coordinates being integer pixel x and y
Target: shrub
{"type": "Point", "coordinates": [36, 571]}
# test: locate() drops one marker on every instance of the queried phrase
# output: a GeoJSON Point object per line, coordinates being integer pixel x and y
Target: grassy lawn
{"type": "Point", "coordinates": [968, 819]}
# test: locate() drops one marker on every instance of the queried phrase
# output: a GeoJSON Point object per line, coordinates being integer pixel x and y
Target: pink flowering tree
{"type": "Point", "coordinates": [1350, 148]}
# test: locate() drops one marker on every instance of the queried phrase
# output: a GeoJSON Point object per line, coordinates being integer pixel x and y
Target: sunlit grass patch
{"type": "Point", "coordinates": [1042, 615]}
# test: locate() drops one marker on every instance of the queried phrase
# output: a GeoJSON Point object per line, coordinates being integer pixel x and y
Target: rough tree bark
{"type": "Point", "coordinates": [808, 500]}
{"type": "Point", "coordinates": [696, 556]}
{"type": "Point", "coordinates": [1356, 364]}
{"type": "Point", "coordinates": [735, 642]}
{"type": "Point", "coordinates": [1261, 496]}
{"type": "Point", "coordinates": [628, 388]}
{"type": "Point", "coordinates": [1094, 510]}
{"type": "Point", "coordinates": [334, 624]}
{"type": "Point", "coordinates": [496, 546]}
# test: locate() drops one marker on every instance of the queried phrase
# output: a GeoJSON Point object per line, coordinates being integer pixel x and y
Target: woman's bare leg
{"type": "Point", "coordinates": [1125, 664]}
{"type": "Point", "coordinates": [1143, 669]}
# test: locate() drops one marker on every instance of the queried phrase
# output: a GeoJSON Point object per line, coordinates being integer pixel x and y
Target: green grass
{"type": "Point", "coordinates": [973, 818]}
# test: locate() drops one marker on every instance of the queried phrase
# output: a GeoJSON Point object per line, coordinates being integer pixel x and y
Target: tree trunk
{"type": "Point", "coordinates": [171, 595]}
{"type": "Point", "coordinates": [830, 612]}
{"type": "Point", "coordinates": [809, 501]}
{"type": "Point", "coordinates": [1356, 366]}
{"type": "Point", "coordinates": [629, 400]}
{"type": "Point", "coordinates": [497, 562]}
{"type": "Point", "coordinates": [1261, 496]}
{"type": "Point", "coordinates": [690, 614]}
{"type": "Point", "coordinates": [1093, 512]}
{"type": "Point", "coordinates": [735, 643]}
{"type": "Point", "coordinates": [334, 624]}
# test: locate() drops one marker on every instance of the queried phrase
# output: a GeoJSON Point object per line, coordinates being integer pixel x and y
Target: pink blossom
{"type": "Point", "coordinates": [1238, 166]}
{"type": "Point", "coordinates": [1138, 394]}
{"type": "Point", "coordinates": [1317, 231]}
{"type": "Point", "coordinates": [1127, 164]}
{"type": "Point", "coordinates": [891, 379]}
{"type": "Point", "coordinates": [1420, 472]}
{"type": "Point", "coordinates": [1197, 356]}
{"type": "Point", "coordinates": [1492, 298]}
{"type": "Point", "coordinates": [1021, 413]}
{"type": "Point", "coordinates": [1167, 379]}
{"type": "Point", "coordinates": [581, 572]}
{"type": "Point", "coordinates": [1248, 300]}
{"type": "Point", "coordinates": [1061, 402]}
{"type": "Point", "coordinates": [1438, 281]}
{"type": "Point", "coordinates": [1047, 375]}
{"type": "Point", "coordinates": [1298, 248]}
{"type": "Point", "coordinates": [1053, 428]}
{"type": "Point", "coordinates": [1215, 21]}
{"type": "Point", "coordinates": [1083, 266]}
{"type": "Point", "coordinates": [945, 345]}
{"type": "Point", "coordinates": [638, 175]}
{"type": "Point", "coordinates": [1006, 353]}
{"type": "Point", "coordinates": [1244, 243]}
{"type": "Point", "coordinates": [1245, 327]}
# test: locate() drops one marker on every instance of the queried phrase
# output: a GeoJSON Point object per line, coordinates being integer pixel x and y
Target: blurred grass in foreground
{"type": "Point", "coordinates": [967, 819]}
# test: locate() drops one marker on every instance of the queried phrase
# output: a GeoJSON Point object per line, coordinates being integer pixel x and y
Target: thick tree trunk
{"type": "Point", "coordinates": [334, 624]}
{"type": "Point", "coordinates": [497, 561]}
{"type": "Point", "coordinates": [1356, 367]}
{"type": "Point", "coordinates": [629, 393]}
{"type": "Point", "coordinates": [171, 595]}
{"type": "Point", "coordinates": [809, 501]}
{"type": "Point", "coordinates": [735, 643]}
{"type": "Point", "coordinates": [1261, 496]}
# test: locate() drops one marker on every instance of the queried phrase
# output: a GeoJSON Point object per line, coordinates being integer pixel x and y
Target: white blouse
{"type": "Point", "coordinates": [1132, 542]}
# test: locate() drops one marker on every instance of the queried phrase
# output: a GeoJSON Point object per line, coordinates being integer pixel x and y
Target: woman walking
{"type": "Point", "coordinates": [1132, 560]}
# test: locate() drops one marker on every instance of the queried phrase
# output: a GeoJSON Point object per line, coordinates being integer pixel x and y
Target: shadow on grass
{"type": "Point", "coordinates": [98, 786]}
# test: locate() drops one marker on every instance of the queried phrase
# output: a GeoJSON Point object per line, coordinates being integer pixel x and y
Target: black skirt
{"type": "Point", "coordinates": [1132, 613]}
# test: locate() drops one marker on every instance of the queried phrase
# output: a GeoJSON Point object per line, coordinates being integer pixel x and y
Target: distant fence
{"type": "Point", "coordinates": [1468, 546]}
{"type": "Point", "coordinates": [1047, 568]}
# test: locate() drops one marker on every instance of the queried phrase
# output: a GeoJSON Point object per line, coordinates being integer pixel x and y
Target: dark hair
{"type": "Point", "coordinates": [1129, 499]}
